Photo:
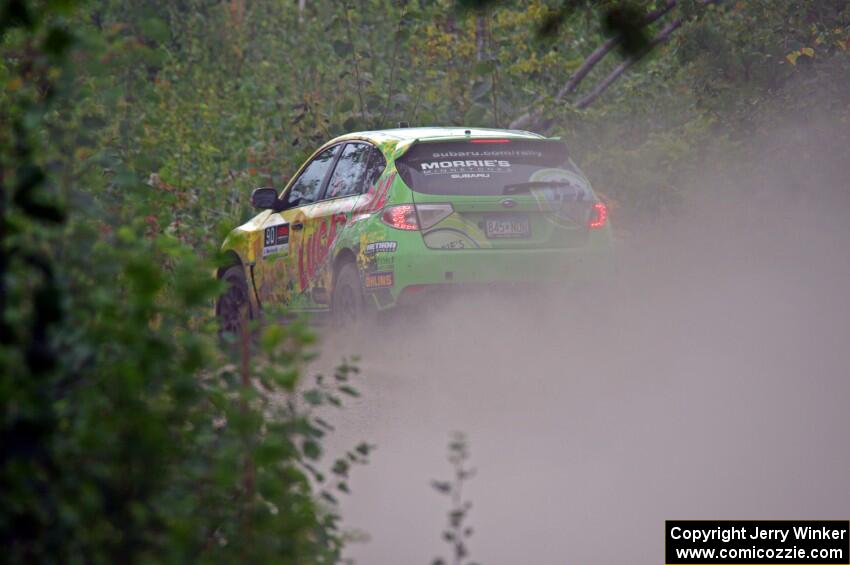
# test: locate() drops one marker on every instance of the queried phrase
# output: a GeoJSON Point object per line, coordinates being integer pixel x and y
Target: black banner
{"type": "Point", "coordinates": [739, 542]}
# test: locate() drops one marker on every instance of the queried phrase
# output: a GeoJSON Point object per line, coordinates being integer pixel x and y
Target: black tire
{"type": "Point", "coordinates": [234, 305]}
{"type": "Point", "coordinates": [349, 307]}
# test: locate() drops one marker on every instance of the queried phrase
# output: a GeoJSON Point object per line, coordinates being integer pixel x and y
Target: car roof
{"type": "Point", "coordinates": [421, 133]}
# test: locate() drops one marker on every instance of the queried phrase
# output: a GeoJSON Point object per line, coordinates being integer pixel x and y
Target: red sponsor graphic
{"type": "Point", "coordinates": [376, 197]}
{"type": "Point", "coordinates": [313, 253]}
{"type": "Point", "coordinates": [283, 231]}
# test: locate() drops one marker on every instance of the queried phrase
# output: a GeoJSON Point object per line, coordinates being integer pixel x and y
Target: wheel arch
{"type": "Point", "coordinates": [229, 259]}
{"type": "Point", "coordinates": [345, 255]}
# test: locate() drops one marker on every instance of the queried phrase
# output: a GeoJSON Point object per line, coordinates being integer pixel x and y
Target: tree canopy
{"type": "Point", "coordinates": [131, 134]}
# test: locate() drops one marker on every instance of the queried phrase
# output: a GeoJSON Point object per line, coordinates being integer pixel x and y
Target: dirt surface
{"type": "Point", "coordinates": [712, 383]}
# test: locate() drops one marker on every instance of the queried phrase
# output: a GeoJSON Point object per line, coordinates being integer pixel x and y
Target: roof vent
{"type": "Point", "coordinates": [404, 124]}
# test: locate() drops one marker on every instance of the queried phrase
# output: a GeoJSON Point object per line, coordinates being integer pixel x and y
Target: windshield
{"type": "Point", "coordinates": [480, 167]}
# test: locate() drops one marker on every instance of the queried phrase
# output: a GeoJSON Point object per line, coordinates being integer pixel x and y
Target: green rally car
{"type": "Point", "coordinates": [378, 219]}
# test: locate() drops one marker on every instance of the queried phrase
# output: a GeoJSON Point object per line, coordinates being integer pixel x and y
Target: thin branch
{"type": "Point", "coordinates": [585, 68]}
{"type": "Point", "coordinates": [603, 85]}
{"type": "Point", "coordinates": [248, 463]}
{"type": "Point", "coordinates": [606, 48]}
{"type": "Point", "coordinates": [480, 37]}
{"type": "Point", "coordinates": [391, 81]}
{"type": "Point", "coordinates": [355, 59]}
{"type": "Point", "coordinates": [531, 117]}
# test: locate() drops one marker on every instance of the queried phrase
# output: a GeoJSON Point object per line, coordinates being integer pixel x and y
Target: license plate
{"type": "Point", "coordinates": [506, 225]}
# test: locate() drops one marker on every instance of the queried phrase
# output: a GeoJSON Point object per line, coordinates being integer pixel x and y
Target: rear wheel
{"type": "Point", "coordinates": [348, 305]}
{"type": "Point", "coordinates": [233, 307]}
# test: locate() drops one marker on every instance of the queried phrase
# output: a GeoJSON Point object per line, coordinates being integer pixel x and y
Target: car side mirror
{"type": "Point", "coordinates": [265, 199]}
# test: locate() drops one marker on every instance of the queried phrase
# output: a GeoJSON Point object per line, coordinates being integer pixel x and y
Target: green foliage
{"type": "Point", "coordinates": [202, 102]}
{"type": "Point", "coordinates": [141, 442]}
{"type": "Point", "coordinates": [127, 433]}
{"type": "Point", "coordinates": [710, 96]}
{"type": "Point", "coordinates": [131, 134]}
{"type": "Point", "coordinates": [457, 532]}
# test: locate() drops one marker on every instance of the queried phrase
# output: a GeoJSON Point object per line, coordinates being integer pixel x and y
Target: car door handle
{"type": "Point", "coordinates": [297, 226]}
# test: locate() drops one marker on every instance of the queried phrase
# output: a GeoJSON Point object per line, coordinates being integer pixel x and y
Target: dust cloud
{"type": "Point", "coordinates": [711, 382]}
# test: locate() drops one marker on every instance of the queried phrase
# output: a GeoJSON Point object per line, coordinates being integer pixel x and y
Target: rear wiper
{"type": "Point", "coordinates": [527, 186]}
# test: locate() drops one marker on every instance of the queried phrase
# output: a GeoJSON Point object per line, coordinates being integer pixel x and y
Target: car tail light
{"type": "Point", "coordinates": [411, 218]}
{"type": "Point", "coordinates": [432, 214]}
{"type": "Point", "coordinates": [402, 217]}
{"type": "Point", "coordinates": [490, 141]}
{"type": "Point", "coordinates": [598, 215]}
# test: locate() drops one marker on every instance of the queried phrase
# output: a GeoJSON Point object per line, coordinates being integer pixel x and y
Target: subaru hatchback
{"type": "Point", "coordinates": [374, 220]}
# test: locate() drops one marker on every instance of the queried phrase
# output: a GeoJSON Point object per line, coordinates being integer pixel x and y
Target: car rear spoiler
{"type": "Point", "coordinates": [518, 135]}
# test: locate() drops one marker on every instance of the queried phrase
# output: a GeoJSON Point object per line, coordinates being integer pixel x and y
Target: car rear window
{"type": "Point", "coordinates": [479, 166]}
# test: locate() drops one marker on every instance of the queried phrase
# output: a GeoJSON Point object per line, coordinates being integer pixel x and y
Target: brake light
{"type": "Point", "coordinates": [490, 141]}
{"type": "Point", "coordinates": [598, 216]}
{"type": "Point", "coordinates": [402, 217]}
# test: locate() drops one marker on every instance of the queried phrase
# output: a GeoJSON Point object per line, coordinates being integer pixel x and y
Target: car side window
{"type": "Point", "coordinates": [377, 164]}
{"type": "Point", "coordinates": [350, 170]}
{"type": "Point", "coordinates": [308, 186]}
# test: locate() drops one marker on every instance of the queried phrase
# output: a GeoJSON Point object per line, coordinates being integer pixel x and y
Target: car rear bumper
{"type": "Point", "coordinates": [430, 272]}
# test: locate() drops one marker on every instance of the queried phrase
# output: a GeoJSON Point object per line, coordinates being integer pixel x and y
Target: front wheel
{"type": "Point", "coordinates": [233, 307]}
{"type": "Point", "coordinates": [348, 305]}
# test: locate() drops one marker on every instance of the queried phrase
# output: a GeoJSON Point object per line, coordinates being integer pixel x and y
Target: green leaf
{"type": "Point", "coordinates": [329, 497]}
{"type": "Point", "coordinates": [313, 397]}
{"type": "Point", "coordinates": [484, 68]}
{"type": "Point", "coordinates": [626, 22]}
{"type": "Point", "coordinates": [340, 467]}
{"type": "Point", "coordinates": [155, 29]}
{"type": "Point", "coordinates": [16, 13]}
{"type": "Point", "coordinates": [363, 449]}
{"type": "Point", "coordinates": [311, 449]}
{"type": "Point", "coordinates": [443, 487]}
{"type": "Point", "coordinates": [58, 40]}
{"type": "Point", "coordinates": [341, 48]}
